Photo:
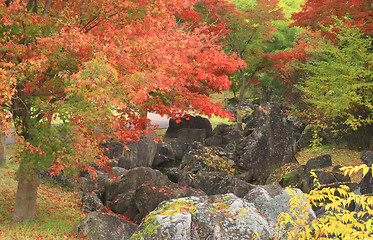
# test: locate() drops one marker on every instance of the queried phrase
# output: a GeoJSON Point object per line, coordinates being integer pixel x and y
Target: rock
{"type": "Point", "coordinates": [61, 179]}
{"type": "Point", "coordinates": [173, 174]}
{"type": "Point", "coordinates": [112, 149]}
{"type": "Point", "coordinates": [178, 147]}
{"type": "Point", "coordinates": [302, 179]}
{"type": "Point", "coordinates": [222, 129]}
{"type": "Point", "coordinates": [367, 158]}
{"type": "Point", "coordinates": [130, 182]}
{"type": "Point", "coordinates": [214, 183]}
{"type": "Point", "coordinates": [224, 135]}
{"type": "Point", "coordinates": [101, 226]}
{"type": "Point", "coordinates": [188, 122]}
{"type": "Point", "coordinates": [148, 197]}
{"type": "Point", "coordinates": [223, 217]}
{"type": "Point", "coordinates": [201, 158]}
{"type": "Point", "coordinates": [297, 126]}
{"type": "Point", "coordinates": [323, 161]}
{"type": "Point", "coordinates": [306, 138]}
{"type": "Point", "coordinates": [164, 154]}
{"type": "Point", "coordinates": [118, 171]}
{"type": "Point", "coordinates": [141, 153]}
{"type": "Point", "coordinates": [91, 203]}
{"type": "Point", "coordinates": [140, 191]}
{"type": "Point", "coordinates": [97, 185]}
{"type": "Point", "coordinates": [366, 184]}
{"type": "Point", "coordinates": [268, 144]}
{"type": "Point", "coordinates": [271, 205]}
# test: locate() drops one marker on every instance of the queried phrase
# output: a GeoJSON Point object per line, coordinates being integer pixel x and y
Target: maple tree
{"type": "Point", "coordinates": [74, 74]}
{"type": "Point", "coordinates": [318, 14]}
{"type": "Point", "coordinates": [249, 24]}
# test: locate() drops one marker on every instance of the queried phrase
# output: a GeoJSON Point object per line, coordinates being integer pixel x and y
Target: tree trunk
{"type": "Point", "coordinates": [240, 99]}
{"type": "Point", "coordinates": [27, 191]}
{"type": "Point", "coordinates": [2, 150]}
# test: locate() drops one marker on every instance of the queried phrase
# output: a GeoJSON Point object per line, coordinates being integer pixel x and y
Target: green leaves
{"type": "Point", "coordinates": [339, 81]}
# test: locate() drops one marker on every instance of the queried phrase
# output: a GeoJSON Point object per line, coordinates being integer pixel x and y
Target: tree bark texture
{"type": "Point", "coordinates": [2, 150]}
{"type": "Point", "coordinates": [25, 204]}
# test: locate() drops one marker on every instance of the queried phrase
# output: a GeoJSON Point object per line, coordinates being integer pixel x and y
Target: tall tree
{"type": "Point", "coordinates": [93, 67]}
{"type": "Point", "coordinates": [249, 24]}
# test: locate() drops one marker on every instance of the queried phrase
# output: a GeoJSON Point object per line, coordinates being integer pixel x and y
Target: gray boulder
{"type": "Point", "coordinates": [268, 144]}
{"type": "Point", "coordinates": [141, 153]}
{"type": "Point", "coordinates": [224, 217]}
{"type": "Point", "coordinates": [272, 203]}
{"type": "Point", "coordinates": [140, 191]}
{"type": "Point", "coordinates": [101, 226]}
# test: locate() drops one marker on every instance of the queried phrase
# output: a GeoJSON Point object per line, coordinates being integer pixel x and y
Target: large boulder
{"type": "Point", "coordinates": [140, 153]}
{"type": "Point", "coordinates": [201, 158]}
{"type": "Point", "coordinates": [189, 124]}
{"type": "Point", "coordinates": [101, 226]}
{"type": "Point", "coordinates": [366, 184]}
{"type": "Point", "coordinates": [268, 143]}
{"type": "Point", "coordinates": [323, 161]}
{"type": "Point", "coordinates": [224, 217]}
{"type": "Point", "coordinates": [214, 183]}
{"type": "Point", "coordinates": [271, 201]}
{"type": "Point", "coordinates": [141, 190]}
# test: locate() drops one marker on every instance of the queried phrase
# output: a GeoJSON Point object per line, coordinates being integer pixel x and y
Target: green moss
{"type": "Point", "coordinates": [169, 209]}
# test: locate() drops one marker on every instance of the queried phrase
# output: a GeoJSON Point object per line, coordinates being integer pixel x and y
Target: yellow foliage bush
{"type": "Point", "coordinates": [339, 220]}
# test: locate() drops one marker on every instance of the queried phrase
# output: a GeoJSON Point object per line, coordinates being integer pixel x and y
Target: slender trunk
{"type": "Point", "coordinates": [240, 99]}
{"type": "Point", "coordinates": [2, 150]}
{"type": "Point", "coordinates": [27, 191]}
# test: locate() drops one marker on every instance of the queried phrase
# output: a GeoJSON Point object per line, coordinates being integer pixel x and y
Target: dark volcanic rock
{"type": "Point", "coordinates": [268, 143]}
{"type": "Point", "coordinates": [323, 161]}
{"type": "Point", "coordinates": [141, 190]}
{"type": "Point", "coordinates": [366, 184]}
{"type": "Point", "coordinates": [189, 122]}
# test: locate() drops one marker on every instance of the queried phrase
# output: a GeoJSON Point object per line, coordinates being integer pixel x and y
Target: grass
{"type": "Point", "coordinates": [57, 210]}
{"type": "Point", "coordinates": [340, 156]}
